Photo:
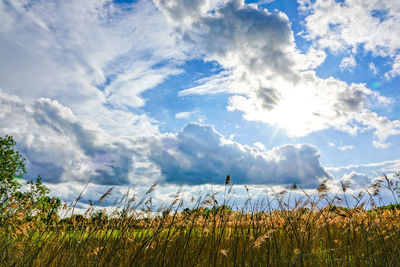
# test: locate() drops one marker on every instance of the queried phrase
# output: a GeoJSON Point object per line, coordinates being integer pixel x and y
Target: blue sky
{"type": "Point", "coordinates": [132, 92]}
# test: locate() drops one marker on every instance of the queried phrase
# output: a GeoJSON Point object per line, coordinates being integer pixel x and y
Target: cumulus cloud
{"type": "Point", "coordinates": [383, 126]}
{"type": "Point", "coordinates": [72, 71]}
{"type": "Point", "coordinates": [357, 179]}
{"type": "Point", "coordinates": [198, 154]}
{"type": "Point", "coordinates": [343, 25]}
{"type": "Point", "coordinates": [271, 81]}
{"type": "Point", "coordinates": [62, 148]}
{"type": "Point", "coordinates": [369, 169]}
{"type": "Point", "coordinates": [239, 37]}
{"type": "Point", "coordinates": [67, 153]}
{"type": "Point", "coordinates": [69, 72]}
{"type": "Point", "coordinates": [354, 184]}
{"type": "Point", "coordinates": [317, 104]}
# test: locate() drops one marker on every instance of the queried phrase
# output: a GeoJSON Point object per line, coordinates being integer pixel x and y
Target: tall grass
{"type": "Point", "coordinates": [317, 229]}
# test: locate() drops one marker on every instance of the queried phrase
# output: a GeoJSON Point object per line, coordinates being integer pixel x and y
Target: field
{"type": "Point", "coordinates": [312, 230]}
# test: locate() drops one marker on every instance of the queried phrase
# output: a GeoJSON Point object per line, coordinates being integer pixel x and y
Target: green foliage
{"type": "Point", "coordinates": [208, 212]}
{"type": "Point", "coordinates": [12, 164]}
{"type": "Point", "coordinates": [389, 207]}
{"type": "Point", "coordinates": [44, 206]}
{"type": "Point", "coordinates": [32, 204]}
{"type": "Point", "coordinates": [99, 218]}
{"type": "Point", "coordinates": [334, 208]}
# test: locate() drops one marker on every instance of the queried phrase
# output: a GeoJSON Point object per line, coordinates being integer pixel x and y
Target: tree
{"type": "Point", "coordinates": [44, 206]}
{"type": "Point", "coordinates": [12, 165]}
{"type": "Point", "coordinates": [35, 201]}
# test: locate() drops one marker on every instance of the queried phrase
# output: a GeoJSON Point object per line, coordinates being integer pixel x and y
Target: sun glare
{"type": "Point", "coordinates": [295, 113]}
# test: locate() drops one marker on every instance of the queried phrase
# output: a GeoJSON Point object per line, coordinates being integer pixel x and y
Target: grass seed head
{"type": "Point", "coordinates": [228, 179]}
{"type": "Point", "coordinates": [323, 188]}
{"type": "Point", "coordinates": [105, 195]}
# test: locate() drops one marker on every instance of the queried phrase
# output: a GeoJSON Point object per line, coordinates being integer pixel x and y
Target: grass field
{"type": "Point", "coordinates": [314, 230]}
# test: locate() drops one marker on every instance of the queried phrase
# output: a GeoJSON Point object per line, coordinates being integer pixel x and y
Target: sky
{"type": "Point", "coordinates": [129, 93]}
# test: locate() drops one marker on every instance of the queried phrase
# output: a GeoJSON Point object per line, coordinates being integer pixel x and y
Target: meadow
{"type": "Point", "coordinates": [315, 229]}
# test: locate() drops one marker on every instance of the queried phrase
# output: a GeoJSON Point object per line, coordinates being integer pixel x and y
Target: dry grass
{"type": "Point", "coordinates": [311, 231]}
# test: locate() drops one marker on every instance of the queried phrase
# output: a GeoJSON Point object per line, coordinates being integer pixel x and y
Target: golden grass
{"type": "Point", "coordinates": [305, 232]}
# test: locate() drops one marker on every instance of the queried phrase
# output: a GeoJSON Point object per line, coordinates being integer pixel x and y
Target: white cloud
{"type": "Point", "coordinates": [271, 81]}
{"type": "Point", "coordinates": [260, 146]}
{"type": "Point", "coordinates": [373, 68]}
{"type": "Point", "coordinates": [85, 54]}
{"type": "Point", "coordinates": [383, 126]}
{"type": "Point", "coordinates": [221, 82]}
{"type": "Point", "coordinates": [348, 63]}
{"type": "Point", "coordinates": [185, 114]}
{"type": "Point", "coordinates": [262, 2]}
{"type": "Point", "coordinates": [356, 180]}
{"type": "Point", "coordinates": [198, 153]}
{"type": "Point", "coordinates": [344, 148]}
{"type": "Point", "coordinates": [62, 148]}
{"type": "Point", "coordinates": [395, 71]}
{"type": "Point", "coordinates": [316, 104]}
{"type": "Point", "coordinates": [380, 144]}
{"type": "Point", "coordinates": [310, 60]}
{"type": "Point", "coordinates": [352, 24]}
{"type": "Point", "coordinates": [370, 169]}
{"type": "Point", "coordinates": [69, 70]}
{"type": "Point", "coordinates": [241, 39]}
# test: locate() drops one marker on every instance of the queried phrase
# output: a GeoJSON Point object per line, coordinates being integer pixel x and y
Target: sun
{"type": "Point", "coordinates": [297, 111]}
